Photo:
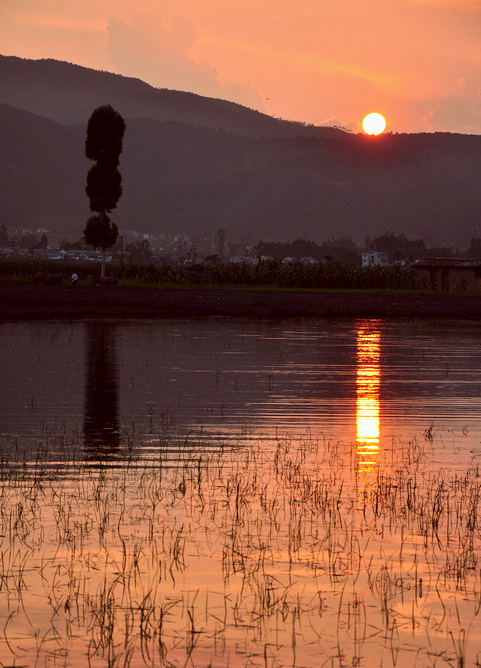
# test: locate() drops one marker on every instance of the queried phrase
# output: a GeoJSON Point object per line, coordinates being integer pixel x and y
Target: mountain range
{"type": "Point", "coordinates": [193, 164]}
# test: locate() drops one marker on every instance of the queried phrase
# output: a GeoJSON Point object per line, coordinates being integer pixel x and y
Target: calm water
{"type": "Point", "coordinates": [365, 382]}
{"type": "Point", "coordinates": [303, 493]}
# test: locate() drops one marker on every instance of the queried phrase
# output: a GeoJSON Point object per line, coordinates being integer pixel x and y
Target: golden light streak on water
{"type": "Point", "coordinates": [367, 402]}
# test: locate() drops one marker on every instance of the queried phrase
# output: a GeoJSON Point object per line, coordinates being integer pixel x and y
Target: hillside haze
{"type": "Point", "coordinates": [195, 164]}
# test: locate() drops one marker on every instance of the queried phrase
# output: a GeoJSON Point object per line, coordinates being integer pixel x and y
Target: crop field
{"type": "Point", "coordinates": [267, 273]}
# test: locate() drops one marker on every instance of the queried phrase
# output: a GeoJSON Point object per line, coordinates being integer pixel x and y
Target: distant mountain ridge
{"type": "Point", "coordinates": [74, 91]}
{"type": "Point", "coordinates": [194, 164]}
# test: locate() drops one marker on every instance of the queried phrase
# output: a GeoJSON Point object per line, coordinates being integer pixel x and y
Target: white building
{"type": "Point", "coordinates": [375, 258]}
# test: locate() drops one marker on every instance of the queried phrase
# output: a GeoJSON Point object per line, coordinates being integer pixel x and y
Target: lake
{"type": "Point", "coordinates": [240, 492]}
{"type": "Point", "coordinates": [221, 377]}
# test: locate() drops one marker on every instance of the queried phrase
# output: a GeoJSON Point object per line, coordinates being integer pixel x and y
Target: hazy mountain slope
{"type": "Point", "coordinates": [281, 189]}
{"type": "Point", "coordinates": [181, 177]}
{"type": "Point", "coordinates": [68, 93]}
{"type": "Point", "coordinates": [41, 169]}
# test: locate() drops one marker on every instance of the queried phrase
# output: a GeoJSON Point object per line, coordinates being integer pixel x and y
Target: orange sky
{"type": "Point", "coordinates": [418, 62]}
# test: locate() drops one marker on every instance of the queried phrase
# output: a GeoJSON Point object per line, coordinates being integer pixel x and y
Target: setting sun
{"type": "Point", "coordinates": [374, 124]}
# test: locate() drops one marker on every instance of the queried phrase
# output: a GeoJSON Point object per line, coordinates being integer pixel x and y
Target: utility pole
{"type": "Point", "coordinates": [121, 255]}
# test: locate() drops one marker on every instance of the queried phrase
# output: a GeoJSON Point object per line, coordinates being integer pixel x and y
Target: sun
{"type": "Point", "coordinates": [374, 124]}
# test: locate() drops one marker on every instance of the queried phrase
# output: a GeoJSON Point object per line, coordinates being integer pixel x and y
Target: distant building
{"type": "Point", "coordinates": [445, 273]}
{"type": "Point", "coordinates": [375, 258]}
{"type": "Point", "coordinates": [204, 245]}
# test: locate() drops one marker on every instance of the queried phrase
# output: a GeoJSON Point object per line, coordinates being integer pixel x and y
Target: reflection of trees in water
{"type": "Point", "coordinates": [101, 421]}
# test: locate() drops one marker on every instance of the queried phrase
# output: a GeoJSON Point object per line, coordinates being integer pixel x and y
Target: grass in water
{"type": "Point", "coordinates": [277, 551]}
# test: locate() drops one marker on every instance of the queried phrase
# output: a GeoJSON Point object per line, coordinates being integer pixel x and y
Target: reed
{"type": "Point", "coordinates": [263, 552]}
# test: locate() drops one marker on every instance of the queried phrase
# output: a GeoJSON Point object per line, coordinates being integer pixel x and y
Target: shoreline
{"type": "Point", "coordinates": [23, 301]}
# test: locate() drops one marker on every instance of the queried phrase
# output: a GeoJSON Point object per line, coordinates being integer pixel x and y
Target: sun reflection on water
{"type": "Point", "coordinates": [367, 402]}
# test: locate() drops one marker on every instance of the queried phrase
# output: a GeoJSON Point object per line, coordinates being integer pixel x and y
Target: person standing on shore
{"type": "Point", "coordinates": [74, 279]}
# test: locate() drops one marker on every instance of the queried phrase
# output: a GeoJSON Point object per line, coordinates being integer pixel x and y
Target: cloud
{"type": "Point", "coordinates": [351, 126]}
{"type": "Point", "coordinates": [347, 58]}
{"type": "Point", "coordinates": [46, 29]}
{"type": "Point", "coordinates": [162, 54]}
{"type": "Point", "coordinates": [460, 111]}
{"type": "Point", "coordinates": [455, 114]}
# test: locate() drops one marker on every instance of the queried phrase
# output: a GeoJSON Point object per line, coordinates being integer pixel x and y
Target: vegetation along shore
{"type": "Point", "coordinates": [270, 289]}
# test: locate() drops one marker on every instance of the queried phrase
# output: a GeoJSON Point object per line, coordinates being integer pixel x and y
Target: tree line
{"type": "Point", "coordinates": [27, 240]}
{"type": "Point", "coordinates": [398, 247]}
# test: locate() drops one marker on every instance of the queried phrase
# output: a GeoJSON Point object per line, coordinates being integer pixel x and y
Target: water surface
{"type": "Point", "coordinates": [243, 493]}
{"type": "Point", "coordinates": [356, 381]}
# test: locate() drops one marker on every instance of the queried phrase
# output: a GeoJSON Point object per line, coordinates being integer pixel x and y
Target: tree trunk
{"type": "Point", "coordinates": [102, 271]}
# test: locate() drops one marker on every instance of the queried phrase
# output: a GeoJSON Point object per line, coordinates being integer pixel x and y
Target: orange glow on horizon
{"type": "Point", "coordinates": [279, 67]}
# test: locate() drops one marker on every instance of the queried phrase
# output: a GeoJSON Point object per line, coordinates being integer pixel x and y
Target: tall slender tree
{"type": "Point", "coordinates": [103, 145]}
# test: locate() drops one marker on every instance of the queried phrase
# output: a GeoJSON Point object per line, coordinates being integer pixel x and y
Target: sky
{"type": "Point", "coordinates": [325, 62]}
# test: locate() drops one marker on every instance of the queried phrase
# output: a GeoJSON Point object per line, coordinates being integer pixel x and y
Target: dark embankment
{"type": "Point", "coordinates": [41, 302]}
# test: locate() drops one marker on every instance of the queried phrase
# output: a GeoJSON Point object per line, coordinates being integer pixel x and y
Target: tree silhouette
{"type": "Point", "coordinates": [105, 132]}
{"type": "Point", "coordinates": [104, 188]}
{"type": "Point", "coordinates": [100, 232]}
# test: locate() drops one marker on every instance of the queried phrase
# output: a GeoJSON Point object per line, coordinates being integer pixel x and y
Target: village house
{"type": "Point", "coordinates": [375, 259]}
{"type": "Point", "coordinates": [443, 273]}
